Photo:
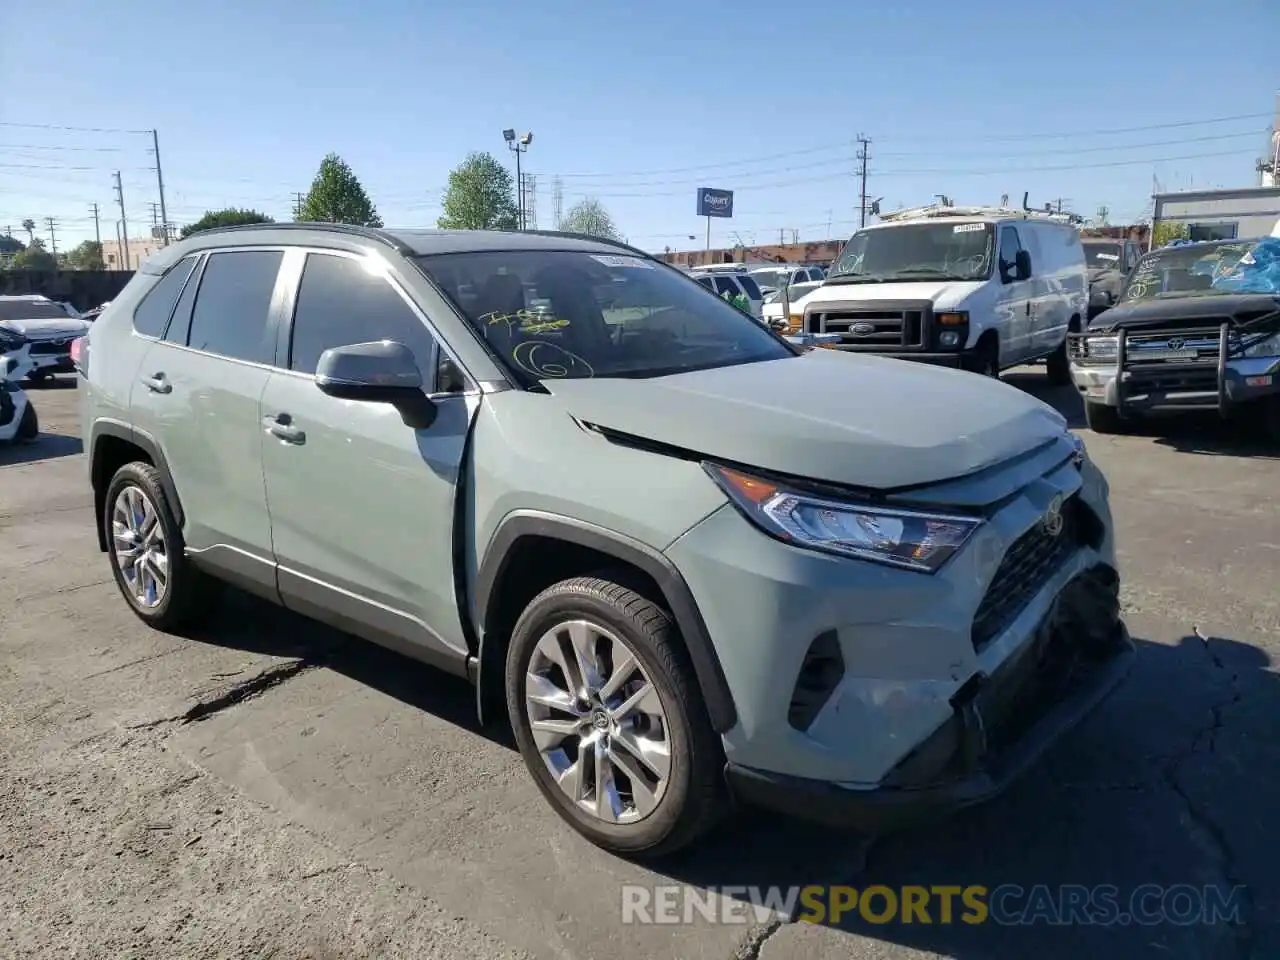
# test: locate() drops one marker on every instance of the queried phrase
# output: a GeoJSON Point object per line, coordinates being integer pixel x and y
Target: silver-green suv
{"type": "Point", "coordinates": [694, 560]}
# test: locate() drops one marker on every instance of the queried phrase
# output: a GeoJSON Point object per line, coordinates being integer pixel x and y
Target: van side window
{"type": "Point", "coordinates": [726, 285]}
{"type": "Point", "coordinates": [233, 305]}
{"type": "Point", "coordinates": [151, 316]}
{"type": "Point", "coordinates": [1010, 247]}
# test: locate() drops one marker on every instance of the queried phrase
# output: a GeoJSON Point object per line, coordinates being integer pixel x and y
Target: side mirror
{"type": "Point", "coordinates": [1022, 265]}
{"type": "Point", "coordinates": [382, 371]}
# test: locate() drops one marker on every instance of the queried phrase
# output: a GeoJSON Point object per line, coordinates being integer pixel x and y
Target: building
{"type": "Point", "coordinates": [1221, 214]}
{"type": "Point", "coordinates": [139, 249]}
{"type": "Point", "coordinates": [819, 252]}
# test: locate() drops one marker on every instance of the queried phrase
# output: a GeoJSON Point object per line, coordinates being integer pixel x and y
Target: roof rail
{"type": "Point", "coordinates": [368, 233]}
{"type": "Point", "coordinates": [937, 211]}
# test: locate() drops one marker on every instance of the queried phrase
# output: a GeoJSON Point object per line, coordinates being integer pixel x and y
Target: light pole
{"type": "Point", "coordinates": [518, 145]}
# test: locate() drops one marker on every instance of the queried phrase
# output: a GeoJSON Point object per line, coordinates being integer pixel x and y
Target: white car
{"type": "Point", "coordinates": [774, 278]}
{"type": "Point", "coordinates": [17, 415]}
{"type": "Point", "coordinates": [46, 326]}
{"type": "Point", "coordinates": [772, 310]}
{"type": "Point", "coordinates": [733, 284]}
{"type": "Point", "coordinates": [978, 288]}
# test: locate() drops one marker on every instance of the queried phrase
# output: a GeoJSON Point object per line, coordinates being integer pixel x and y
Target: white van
{"type": "Point", "coordinates": [974, 287]}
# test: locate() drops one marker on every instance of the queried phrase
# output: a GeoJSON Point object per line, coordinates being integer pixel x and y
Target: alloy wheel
{"type": "Point", "coordinates": [598, 722]}
{"type": "Point", "coordinates": [141, 553]}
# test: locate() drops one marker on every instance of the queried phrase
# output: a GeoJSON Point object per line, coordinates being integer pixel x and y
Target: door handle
{"type": "Point", "coordinates": [281, 425]}
{"type": "Point", "coordinates": [158, 383]}
{"type": "Point", "coordinates": [1028, 308]}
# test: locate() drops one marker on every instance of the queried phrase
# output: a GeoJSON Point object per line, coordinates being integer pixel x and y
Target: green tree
{"type": "Point", "coordinates": [230, 217]}
{"type": "Point", "coordinates": [86, 256]}
{"type": "Point", "coordinates": [590, 217]}
{"type": "Point", "coordinates": [1166, 230]}
{"type": "Point", "coordinates": [35, 257]}
{"type": "Point", "coordinates": [480, 196]}
{"type": "Point", "coordinates": [10, 244]}
{"type": "Point", "coordinates": [29, 225]}
{"type": "Point", "coordinates": [336, 196]}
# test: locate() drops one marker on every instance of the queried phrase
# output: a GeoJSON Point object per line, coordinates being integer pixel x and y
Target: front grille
{"type": "Point", "coordinates": [46, 347]}
{"type": "Point", "coordinates": [1173, 347]}
{"type": "Point", "coordinates": [1027, 566]}
{"type": "Point", "coordinates": [871, 329]}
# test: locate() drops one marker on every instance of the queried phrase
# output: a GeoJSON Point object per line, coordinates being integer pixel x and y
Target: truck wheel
{"type": "Point", "coordinates": [608, 718]}
{"type": "Point", "coordinates": [986, 359]}
{"type": "Point", "coordinates": [1057, 366]}
{"type": "Point", "coordinates": [1103, 419]}
{"type": "Point", "coordinates": [144, 543]}
{"type": "Point", "coordinates": [29, 425]}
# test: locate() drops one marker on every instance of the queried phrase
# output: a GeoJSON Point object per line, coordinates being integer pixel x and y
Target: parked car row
{"type": "Point", "coordinates": [47, 327]}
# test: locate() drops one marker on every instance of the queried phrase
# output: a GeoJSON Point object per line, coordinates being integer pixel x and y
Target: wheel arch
{"type": "Point", "coordinates": [522, 542]}
{"type": "Point", "coordinates": [113, 444]}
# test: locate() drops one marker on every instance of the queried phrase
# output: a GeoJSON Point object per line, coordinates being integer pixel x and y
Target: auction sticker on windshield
{"type": "Point", "coordinates": [611, 261]}
{"type": "Point", "coordinates": [968, 227]}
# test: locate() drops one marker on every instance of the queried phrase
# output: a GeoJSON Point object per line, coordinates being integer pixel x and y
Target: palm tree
{"type": "Point", "coordinates": [29, 225]}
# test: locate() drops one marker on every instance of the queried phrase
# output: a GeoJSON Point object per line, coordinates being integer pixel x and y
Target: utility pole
{"type": "Point", "coordinates": [155, 216]}
{"type": "Point", "coordinates": [53, 239]}
{"type": "Point", "coordinates": [297, 206]}
{"type": "Point", "coordinates": [124, 222]}
{"type": "Point", "coordinates": [863, 157]}
{"type": "Point", "coordinates": [97, 231]}
{"type": "Point", "coordinates": [164, 215]}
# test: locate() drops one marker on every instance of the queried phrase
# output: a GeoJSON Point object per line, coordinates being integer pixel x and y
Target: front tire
{"type": "Point", "coordinates": [607, 716]}
{"type": "Point", "coordinates": [1058, 366]}
{"type": "Point", "coordinates": [147, 552]}
{"type": "Point", "coordinates": [1102, 418]}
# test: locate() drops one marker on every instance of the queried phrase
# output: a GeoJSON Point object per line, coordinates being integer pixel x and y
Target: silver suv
{"type": "Point", "coordinates": [691, 559]}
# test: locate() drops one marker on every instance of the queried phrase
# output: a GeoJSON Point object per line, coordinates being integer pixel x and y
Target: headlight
{"type": "Point", "coordinates": [1266, 347]}
{"type": "Point", "coordinates": [915, 540]}
{"type": "Point", "coordinates": [1079, 454]}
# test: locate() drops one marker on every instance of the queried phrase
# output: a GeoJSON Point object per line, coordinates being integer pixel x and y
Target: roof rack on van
{"type": "Point", "coordinates": [937, 210]}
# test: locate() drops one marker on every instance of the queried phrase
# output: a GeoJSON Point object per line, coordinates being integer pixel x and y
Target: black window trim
{"type": "Point", "coordinates": [133, 321]}
{"type": "Point", "coordinates": [292, 270]}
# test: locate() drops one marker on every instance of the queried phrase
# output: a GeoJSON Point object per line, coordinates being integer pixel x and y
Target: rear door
{"type": "Point", "coordinates": [362, 506]}
{"type": "Point", "coordinates": [198, 392]}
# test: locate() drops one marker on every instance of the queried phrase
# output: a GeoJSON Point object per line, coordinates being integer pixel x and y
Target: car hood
{"type": "Point", "coordinates": [867, 422]}
{"type": "Point", "coordinates": [52, 329]}
{"type": "Point", "coordinates": [893, 290]}
{"type": "Point", "coordinates": [1189, 311]}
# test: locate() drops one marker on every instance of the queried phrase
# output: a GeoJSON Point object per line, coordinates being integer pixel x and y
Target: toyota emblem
{"type": "Point", "coordinates": [862, 329]}
{"type": "Point", "coordinates": [1177, 343]}
{"type": "Point", "coordinates": [1053, 521]}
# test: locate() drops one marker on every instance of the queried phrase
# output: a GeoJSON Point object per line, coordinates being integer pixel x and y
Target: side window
{"type": "Point", "coordinates": [180, 325]}
{"type": "Point", "coordinates": [1010, 247]}
{"type": "Point", "coordinates": [705, 281]}
{"type": "Point", "coordinates": [234, 303]}
{"type": "Point", "coordinates": [726, 285]}
{"type": "Point", "coordinates": [151, 316]}
{"type": "Point", "coordinates": [341, 303]}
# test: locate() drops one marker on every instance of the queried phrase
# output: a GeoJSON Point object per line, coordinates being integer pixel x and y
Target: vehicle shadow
{"type": "Point", "coordinates": [1164, 785]}
{"type": "Point", "coordinates": [47, 446]}
{"type": "Point", "coordinates": [53, 382]}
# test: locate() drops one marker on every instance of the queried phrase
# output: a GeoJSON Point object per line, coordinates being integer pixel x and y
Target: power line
{"type": "Point", "coordinates": [56, 126]}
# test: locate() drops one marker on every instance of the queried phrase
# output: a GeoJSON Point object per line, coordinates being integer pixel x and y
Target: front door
{"type": "Point", "coordinates": [1014, 308]}
{"type": "Point", "coordinates": [362, 506]}
{"type": "Point", "coordinates": [197, 394]}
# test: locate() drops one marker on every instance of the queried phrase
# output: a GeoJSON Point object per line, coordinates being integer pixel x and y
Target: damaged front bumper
{"type": "Point", "coordinates": [1000, 724]}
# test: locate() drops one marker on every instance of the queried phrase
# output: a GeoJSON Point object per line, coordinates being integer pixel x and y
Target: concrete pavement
{"type": "Point", "coordinates": [270, 787]}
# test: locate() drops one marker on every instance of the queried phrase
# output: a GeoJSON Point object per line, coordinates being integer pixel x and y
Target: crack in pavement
{"type": "Point", "coordinates": [1214, 837]}
{"type": "Point", "coordinates": [132, 663]}
{"type": "Point", "coordinates": [250, 687]}
{"type": "Point", "coordinates": [750, 947]}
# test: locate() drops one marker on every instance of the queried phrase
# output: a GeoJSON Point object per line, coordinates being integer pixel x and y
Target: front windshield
{"type": "Point", "coordinates": [553, 314]}
{"type": "Point", "coordinates": [1103, 256]}
{"type": "Point", "coordinates": [771, 278]}
{"type": "Point", "coordinates": [934, 250]}
{"type": "Point", "coordinates": [31, 310]}
{"type": "Point", "coordinates": [1184, 271]}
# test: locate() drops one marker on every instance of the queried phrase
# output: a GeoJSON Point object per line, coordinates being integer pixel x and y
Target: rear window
{"type": "Point", "coordinates": [31, 310]}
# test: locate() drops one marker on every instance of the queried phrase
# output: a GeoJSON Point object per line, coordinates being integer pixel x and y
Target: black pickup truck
{"type": "Point", "coordinates": [1186, 334]}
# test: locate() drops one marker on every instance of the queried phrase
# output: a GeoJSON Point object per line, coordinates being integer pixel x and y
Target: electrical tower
{"type": "Point", "coordinates": [97, 230]}
{"type": "Point", "coordinates": [863, 157]}
{"type": "Point", "coordinates": [557, 200]}
{"type": "Point", "coordinates": [530, 201]}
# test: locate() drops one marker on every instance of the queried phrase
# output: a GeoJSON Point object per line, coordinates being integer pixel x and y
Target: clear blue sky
{"type": "Point", "coordinates": [634, 103]}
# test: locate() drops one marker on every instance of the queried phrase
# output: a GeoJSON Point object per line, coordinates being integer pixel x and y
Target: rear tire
{"type": "Point", "coordinates": [1103, 419]}
{"type": "Point", "coordinates": [147, 553]}
{"type": "Point", "coordinates": [654, 801]}
{"type": "Point", "coordinates": [29, 425]}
